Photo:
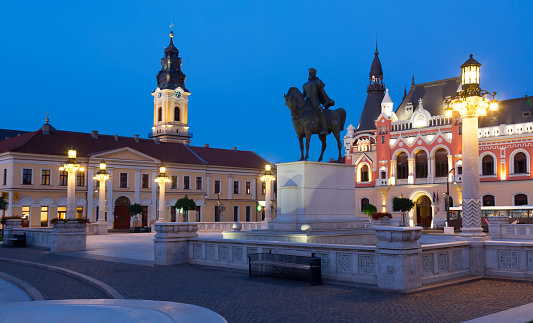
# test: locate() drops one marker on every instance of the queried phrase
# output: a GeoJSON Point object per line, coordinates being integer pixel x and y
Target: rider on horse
{"type": "Point", "coordinates": [315, 95]}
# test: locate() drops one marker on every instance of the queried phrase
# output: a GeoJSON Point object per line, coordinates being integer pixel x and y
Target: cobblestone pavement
{"type": "Point", "coordinates": [241, 299]}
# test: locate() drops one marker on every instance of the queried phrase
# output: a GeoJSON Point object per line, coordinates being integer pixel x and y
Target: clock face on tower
{"type": "Point", "coordinates": [177, 93]}
{"type": "Point", "coordinates": [159, 95]}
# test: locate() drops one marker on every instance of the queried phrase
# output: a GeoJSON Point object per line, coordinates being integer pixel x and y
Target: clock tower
{"type": "Point", "coordinates": [171, 99]}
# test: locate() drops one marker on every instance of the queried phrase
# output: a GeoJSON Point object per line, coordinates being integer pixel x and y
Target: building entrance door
{"type": "Point", "coordinates": [122, 217]}
{"type": "Point", "coordinates": [423, 211]}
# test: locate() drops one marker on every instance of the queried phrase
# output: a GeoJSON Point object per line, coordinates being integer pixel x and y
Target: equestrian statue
{"type": "Point", "coordinates": [309, 117]}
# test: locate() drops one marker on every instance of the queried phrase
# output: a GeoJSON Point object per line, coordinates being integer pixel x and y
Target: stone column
{"type": "Point", "coordinates": [431, 174]}
{"type": "Point", "coordinates": [471, 208]}
{"type": "Point", "coordinates": [90, 199]}
{"type": "Point", "coordinates": [101, 224]}
{"type": "Point", "coordinates": [208, 185]}
{"type": "Point", "coordinates": [230, 187]}
{"type": "Point", "coordinates": [153, 209]}
{"type": "Point", "coordinates": [71, 195]}
{"type": "Point", "coordinates": [110, 211]}
{"type": "Point", "coordinates": [268, 209]}
{"type": "Point", "coordinates": [170, 242]}
{"type": "Point", "coordinates": [393, 172]}
{"type": "Point", "coordinates": [399, 258]}
{"type": "Point", "coordinates": [411, 163]}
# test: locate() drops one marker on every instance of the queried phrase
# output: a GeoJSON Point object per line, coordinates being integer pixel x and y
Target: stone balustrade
{"type": "Point", "coordinates": [226, 226]}
{"type": "Point", "coordinates": [170, 242]}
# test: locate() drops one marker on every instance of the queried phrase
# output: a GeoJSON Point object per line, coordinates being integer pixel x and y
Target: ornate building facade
{"type": "Point", "coordinates": [413, 150]}
{"type": "Point", "coordinates": [225, 184]}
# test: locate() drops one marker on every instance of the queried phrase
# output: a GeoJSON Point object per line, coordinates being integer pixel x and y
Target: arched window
{"type": "Point", "coordinates": [177, 114]}
{"type": "Point", "coordinates": [364, 201]}
{"type": "Point", "coordinates": [488, 200]}
{"type": "Point", "coordinates": [441, 163]}
{"type": "Point", "coordinates": [364, 173]}
{"type": "Point", "coordinates": [520, 160]}
{"type": "Point", "coordinates": [160, 114]}
{"type": "Point", "coordinates": [451, 201]}
{"type": "Point", "coordinates": [520, 199]}
{"type": "Point", "coordinates": [402, 168]}
{"type": "Point", "coordinates": [421, 160]}
{"type": "Point", "coordinates": [487, 165]}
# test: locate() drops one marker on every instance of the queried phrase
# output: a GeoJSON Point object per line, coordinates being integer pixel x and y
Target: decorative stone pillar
{"type": "Point", "coordinates": [495, 226]}
{"type": "Point", "coordinates": [71, 195]}
{"type": "Point", "coordinates": [101, 224]}
{"type": "Point", "coordinates": [170, 242]}
{"type": "Point", "coordinates": [393, 172]}
{"type": "Point", "coordinates": [411, 165]}
{"type": "Point", "coordinates": [161, 210]}
{"type": "Point", "coordinates": [431, 172]}
{"type": "Point", "coordinates": [9, 228]}
{"type": "Point", "coordinates": [399, 258]}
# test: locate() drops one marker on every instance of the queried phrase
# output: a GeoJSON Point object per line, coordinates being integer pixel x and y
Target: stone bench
{"type": "Point", "coordinates": [288, 265]}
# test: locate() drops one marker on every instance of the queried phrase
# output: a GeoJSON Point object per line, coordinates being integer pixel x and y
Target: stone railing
{"type": "Point", "coordinates": [439, 121]}
{"type": "Point", "coordinates": [38, 237]}
{"type": "Point", "coordinates": [444, 261]}
{"type": "Point", "coordinates": [401, 181]}
{"type": "Point", "coordinates": [339, 262]}
{"type": "Point", "coordinates": [226, 226]}
{"type": "Point", "coordinates": [509, 258]}
{"type": "Point", "coordinates": [499, 228]}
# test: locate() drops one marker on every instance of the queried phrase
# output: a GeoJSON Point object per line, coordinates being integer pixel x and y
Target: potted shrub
{"type": "Point", "coordinates": [186, 204]}
{"type": "Point", "coordinates": [15, 220]}
{"type": "Point", "coordinates": [381, 218]}
{"type": "Point", "coordinates": [369, 209]}
{"type": "Point", "coordinates": [134, 210]}
{"type": "Point", "coordinates": [403, 205]}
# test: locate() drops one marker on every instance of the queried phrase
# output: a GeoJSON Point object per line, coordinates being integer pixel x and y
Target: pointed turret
{"type": "Point", "coordinates": [376, 92]}
{"type": "Point", "coordinates": [170, 76]}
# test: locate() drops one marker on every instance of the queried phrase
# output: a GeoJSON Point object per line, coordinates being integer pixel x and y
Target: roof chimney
{"type": "Point", "coordinates": [95, 134]}
{"type": "Point", "coordinates": [116, 137]}
{"type": "Point", "coordinates": [234, 148]}
{"type": "Point", "coordinates": [156, 140]}
{"type": "Point", "coordinates": [136, 138]}
{"type": "Point", "coordinates": [206, 145]}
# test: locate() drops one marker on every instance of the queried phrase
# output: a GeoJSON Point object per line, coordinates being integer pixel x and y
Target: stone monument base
{"type": "Point", "coordinates": [346, 237]}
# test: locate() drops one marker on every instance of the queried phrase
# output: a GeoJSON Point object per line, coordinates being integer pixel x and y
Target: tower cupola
{"type": "Point", "coordinates": [376, 74]}
{"type": "Point", "coordinates": [170, 76]}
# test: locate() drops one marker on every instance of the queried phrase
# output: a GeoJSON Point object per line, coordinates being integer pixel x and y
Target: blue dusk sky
{"type": "Point", "coordinates": [93, 64]}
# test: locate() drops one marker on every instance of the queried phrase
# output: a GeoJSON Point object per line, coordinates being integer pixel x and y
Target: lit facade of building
{"type": "Point", "coordinates": [225, 184]}
{"type": "Point", "coordinates": [413, 149]}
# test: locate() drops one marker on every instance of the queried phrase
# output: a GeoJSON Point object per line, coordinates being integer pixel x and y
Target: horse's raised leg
{"type": "Point", "coordinates": [301, 139]}
{"type": "Point", "coordinates": [339, 143]}
{"type": "Point", "coordinates": [323, 139]}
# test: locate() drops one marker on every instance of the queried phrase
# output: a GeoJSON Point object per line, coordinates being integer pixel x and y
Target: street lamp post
{"type": "Point", "coordinates": [71, 166]}
{"type": "Point", "coordinates": [471, 103]}
{"type": "Point", "coordinates": [102, 175]}
{"type": "Point", "coordinates": [162, 179]}
{"type": "Point", "coordinates": [268, 177]}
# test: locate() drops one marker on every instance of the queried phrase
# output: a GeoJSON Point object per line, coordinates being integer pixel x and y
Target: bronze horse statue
{"type": "Point", "coordinates": [306, 122]}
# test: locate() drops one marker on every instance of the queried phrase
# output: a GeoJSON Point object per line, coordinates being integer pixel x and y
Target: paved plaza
{"type": "Point", "coordinates": [122, 261]}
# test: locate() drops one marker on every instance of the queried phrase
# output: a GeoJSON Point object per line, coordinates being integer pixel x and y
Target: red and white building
{"type": "Point", "coordinates": [412, 149]}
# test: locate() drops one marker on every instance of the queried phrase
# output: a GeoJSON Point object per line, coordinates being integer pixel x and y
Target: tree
{"type": "Point", "coordinates": [134, 210]}
{"type": "Point", "coordinates": [3, 203]}
{"type": "Point", "coordinates": [403, 205]}
{"type": "Point", "coordinates": [369, 209]}
{"type": "Point", "coordinates": [186, 204]}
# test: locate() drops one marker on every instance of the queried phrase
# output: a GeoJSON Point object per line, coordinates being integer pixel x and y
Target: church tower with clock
{"type": "Point", "coordinates": [171, 100]}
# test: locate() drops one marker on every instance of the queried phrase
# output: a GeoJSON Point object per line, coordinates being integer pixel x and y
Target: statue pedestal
{"type": "Point", "coordinates": [321, 195]}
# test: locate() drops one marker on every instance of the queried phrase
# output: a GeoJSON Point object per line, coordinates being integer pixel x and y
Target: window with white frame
{"type": "Point", "coordinates": [123, 180]}
{"type": "Point", "coordinates": [27, 176]}
{"type": "Point", "coordinates": [45, 177]}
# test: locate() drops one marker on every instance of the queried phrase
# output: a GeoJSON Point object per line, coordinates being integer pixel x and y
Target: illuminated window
{"type": "Point", "coordinates": [79, 212]}
{"type": "Point", "coordinates": [61, 212]}
{"type": "Point", "coordinates": [364, 173]}
{"type": "Point", "coordinates": [248, 188]}
{"type": "Point", "coordinates": [263, 188]}
{"type": "Point", "coordinates": [25, 213]}
{"type": "Point", "coordinates": [44, 216]}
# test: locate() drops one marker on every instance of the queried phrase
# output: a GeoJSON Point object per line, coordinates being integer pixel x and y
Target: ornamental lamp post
{"type": "Point", "coordinates": [267, 178]}
{"type": "Point", "coordinates": [71, 166]}
{"type": "Point", "coordinates": [471, 102]}
{"type": "Point", "coordinates": [162, 179]}
{"type": "Point", "coordinates": [101, 176]}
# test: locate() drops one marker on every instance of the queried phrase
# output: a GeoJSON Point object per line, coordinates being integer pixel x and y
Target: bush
{"type": "Point", "coordinates": [369, 209]}
{"type": "Point", "coordinates": [402, 204]}
{"type": "Point", "coordinates": [135, 209]}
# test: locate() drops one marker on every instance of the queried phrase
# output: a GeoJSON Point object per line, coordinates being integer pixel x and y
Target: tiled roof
{"type": "Point", "coordinates": [371, 110]}
{"type": "Point", "coordinates": [58, 143]}
{"type": "Point", "coordinates": [510, 112]}
{"type": "Point", "coordinates": [432, 94]}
